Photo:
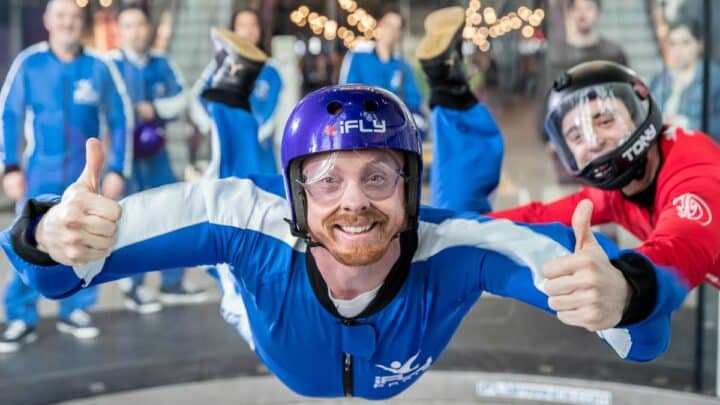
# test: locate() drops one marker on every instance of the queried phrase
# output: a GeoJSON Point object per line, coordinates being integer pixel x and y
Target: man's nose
{"type": "Point", "coordinates": [353, 198]}
{"type": "Point", "coordinates": [596, 142]}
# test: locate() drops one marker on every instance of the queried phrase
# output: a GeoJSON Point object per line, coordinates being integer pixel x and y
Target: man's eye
{"type": "Point", "coordinates": [329, 180]}
{"type": "Point", "coordinates": [573, 137]}
{"type": "Point", "coordinates": [605, 121]}
{"type": "Point", "coordinates": [376, 178]}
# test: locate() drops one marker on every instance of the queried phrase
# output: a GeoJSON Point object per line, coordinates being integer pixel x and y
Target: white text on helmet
{"type": "Point", "coordinates": [362, 126]}
{"type": "Point", "coordinates": [641, 144]}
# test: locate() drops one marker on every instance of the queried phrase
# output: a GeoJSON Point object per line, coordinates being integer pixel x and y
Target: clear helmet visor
{"type": "Point", "coordinates": [594, 121]}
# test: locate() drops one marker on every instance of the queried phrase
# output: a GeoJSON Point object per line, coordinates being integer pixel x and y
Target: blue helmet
{"type": "Point", "coordinates": [345, 118]}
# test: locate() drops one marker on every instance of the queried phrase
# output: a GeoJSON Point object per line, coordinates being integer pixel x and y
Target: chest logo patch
{"type": "Point", "coordinates": [84, 93]}
{"type": "Point", "coordinates": [401, 372]}
{"type": "Point", "coordinates": [690, 206]}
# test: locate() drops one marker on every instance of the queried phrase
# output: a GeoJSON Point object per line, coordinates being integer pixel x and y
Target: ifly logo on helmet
{"type": "Point", "coordinates": [366, 127]}
{"type": "Point", "coordinates": [640, 144]}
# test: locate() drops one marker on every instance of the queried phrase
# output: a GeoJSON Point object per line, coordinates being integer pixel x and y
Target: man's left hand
{"type": "Point", "coordinates": [145, 111]}
{"type": "Point", "coordinates": [113, 186]}
{"type": "Point", "coordinates": [584, 288]}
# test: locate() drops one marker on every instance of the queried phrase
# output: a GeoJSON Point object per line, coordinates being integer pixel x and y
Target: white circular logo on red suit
{"type": "Point", "coordinates": [690, 206]}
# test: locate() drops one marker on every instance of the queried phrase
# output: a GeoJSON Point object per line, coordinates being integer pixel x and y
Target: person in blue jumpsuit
{"type": "Point", "coordinates": [55, 95]}
{"type": "Point", "coordinates": [466, 163]}
{"type": "Point", "coordinates": [240, 154]}
{"type": "Point", "coordinates": [356, 280]}
{"type": "Point", "coordinates": [377, 64]}
{"type": "Point", "coordinates": [155, 87]}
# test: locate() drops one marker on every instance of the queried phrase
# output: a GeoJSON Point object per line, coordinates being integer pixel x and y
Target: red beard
{"type": "Point", "coordinates": [363, 253]}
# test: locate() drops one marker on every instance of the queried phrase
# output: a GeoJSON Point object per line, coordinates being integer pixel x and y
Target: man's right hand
{"type": "Point", "coordinates": [14, 185]}
{"type": "Point", "coordinates": [82, 227]}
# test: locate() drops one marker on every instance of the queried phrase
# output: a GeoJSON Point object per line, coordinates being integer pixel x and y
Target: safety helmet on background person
{"type": "Point", "coordinates": [602, 121]}
{"type": "Point", "coordinates": [148, 139]}
{"type": "Point", "coordinates": [349, 118]}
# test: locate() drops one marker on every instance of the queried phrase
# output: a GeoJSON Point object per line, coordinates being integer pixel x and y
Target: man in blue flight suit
{"type": "Point", "coordinates": [61, 90]}
{"type": "Point", "coordinates": [155, 88]}
{"type": "Point", "coordinates": [364, 285]}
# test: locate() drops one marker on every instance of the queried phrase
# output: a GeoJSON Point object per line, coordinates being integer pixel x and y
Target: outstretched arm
{"type": "Point", "coordinates": [84, 239]}
{"type": "Point", "coordinates": [592, 284]}
{"type": "Point", "coordinates": [560, 210]}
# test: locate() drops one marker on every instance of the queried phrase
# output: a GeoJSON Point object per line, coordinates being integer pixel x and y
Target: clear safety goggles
{"type": "Point", "coordinates": [325, 183]}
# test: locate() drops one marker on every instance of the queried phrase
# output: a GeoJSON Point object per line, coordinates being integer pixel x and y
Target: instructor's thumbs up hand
{"type": "Point", "coordinates": [584, 288]}
{"type": "Point", "coordinates": [82, 227]}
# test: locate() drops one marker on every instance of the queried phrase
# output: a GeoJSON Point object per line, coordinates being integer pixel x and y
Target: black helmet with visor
{"type": "Point", "coordinates": [602, 121]}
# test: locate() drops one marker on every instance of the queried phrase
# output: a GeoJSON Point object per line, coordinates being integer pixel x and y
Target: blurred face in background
{"type": "Point", "coordinates": [389, 29]}
{"type": "Point", "coordinates": [246, 25]}
{"type": "Point", "coordinates": [134, 30]}
{"type": "Point", "coordinates": [583, 15]}
{"type": "Point", "coordinates": [683, 48]}
{"type": "Point", "coordinates": [64, 21]}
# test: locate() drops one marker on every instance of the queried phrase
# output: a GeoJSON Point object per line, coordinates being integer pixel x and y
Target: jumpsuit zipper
{"type": "Point", "coordinates": [347, 368]}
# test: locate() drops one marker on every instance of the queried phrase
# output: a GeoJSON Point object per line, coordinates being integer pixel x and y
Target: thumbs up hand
{"type": "Point", "coordinates": [82, 227]}
{"type": "Point", "coordinates": [584, 288]}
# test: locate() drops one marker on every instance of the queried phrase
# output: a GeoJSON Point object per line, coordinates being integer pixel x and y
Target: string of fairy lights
{"type": "Point", "coordinates": [481, 24]}
{"type": "Point", "coordinates": [357, 19]}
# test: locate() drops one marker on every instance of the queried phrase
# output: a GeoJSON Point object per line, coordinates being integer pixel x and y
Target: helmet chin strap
{"type": "Point", "coordinates": [641, 172]}
{"type": "Point", "coordinates": [311, 243]}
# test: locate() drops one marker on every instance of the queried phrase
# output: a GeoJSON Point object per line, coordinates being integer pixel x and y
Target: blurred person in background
{"type": "Point", "coordinates": [678, 88]}
{"type": "Point", "coordinates": [583, 41]}
{"type": "Point", "coordinates": [155, 87]}
{"type": "Point", "coordinates": [63, 91]}
{"type": "Point", "coordinates": [242, 155]}
{"type": "Point", "coordinates": [379, 64]}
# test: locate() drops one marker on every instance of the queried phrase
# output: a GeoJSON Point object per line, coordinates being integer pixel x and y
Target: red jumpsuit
{"type": "Point", "coordinates": [681, 229]}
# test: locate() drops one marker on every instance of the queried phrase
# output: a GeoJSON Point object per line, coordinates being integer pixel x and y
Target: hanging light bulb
{"type": "Point", "coordinates": [528, 31]}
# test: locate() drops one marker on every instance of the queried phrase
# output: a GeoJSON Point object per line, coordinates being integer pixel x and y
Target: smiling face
{"type": "Point", "coordinates": [595, 128]}
{"type": "Point", "coordinates": [64, 22]}
{"type": "Point", "coordinates": [355, 203]}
